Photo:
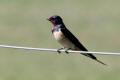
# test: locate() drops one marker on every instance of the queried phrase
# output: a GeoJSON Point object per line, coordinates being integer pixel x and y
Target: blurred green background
{"type": "Point", "coordinates": [23, 23]}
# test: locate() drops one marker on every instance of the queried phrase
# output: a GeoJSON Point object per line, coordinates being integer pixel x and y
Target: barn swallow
{"type": "Point", "coordinates": [66, 38]}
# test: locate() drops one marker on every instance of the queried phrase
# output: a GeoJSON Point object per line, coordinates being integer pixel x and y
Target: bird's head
{"type": "Point", "coordinates": [55, 20]}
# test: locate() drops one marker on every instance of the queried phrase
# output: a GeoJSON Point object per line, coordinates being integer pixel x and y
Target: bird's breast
{"type": "Point", "coordinates": [59, 36]}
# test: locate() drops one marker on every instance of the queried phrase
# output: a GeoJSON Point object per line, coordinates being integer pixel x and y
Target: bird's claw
{"type": "Point", "coordinates": [59, 50]}
{"type": "Point", "coordinates": [66, 51]}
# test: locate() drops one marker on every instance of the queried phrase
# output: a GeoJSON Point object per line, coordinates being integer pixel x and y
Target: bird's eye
{"type": "Point", "coordinates": [53, 18]}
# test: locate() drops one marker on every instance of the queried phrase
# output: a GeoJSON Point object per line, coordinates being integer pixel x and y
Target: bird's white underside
{"type": "Point", "coordinates": [65, 42]}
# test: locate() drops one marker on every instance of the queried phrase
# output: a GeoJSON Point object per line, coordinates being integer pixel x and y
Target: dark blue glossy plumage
{"type": "Point", "coordinates": [59, 25]}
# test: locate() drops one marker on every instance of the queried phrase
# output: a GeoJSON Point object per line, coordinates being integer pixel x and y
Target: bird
{"type": "Point", "coordinates": [66, 38]}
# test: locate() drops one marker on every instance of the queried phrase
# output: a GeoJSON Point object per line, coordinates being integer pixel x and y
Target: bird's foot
{"type": "Point", "coordinates": [66, 51]}
{"type": "Point", "coordinates": [59, 50]}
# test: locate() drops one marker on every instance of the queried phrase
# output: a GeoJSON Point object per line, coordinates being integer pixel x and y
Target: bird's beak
{"type": "Point", "coordinates": [48, 19]}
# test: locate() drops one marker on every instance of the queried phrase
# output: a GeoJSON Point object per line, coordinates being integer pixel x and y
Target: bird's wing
{"type": "Point", "coordinates": [75, 41]}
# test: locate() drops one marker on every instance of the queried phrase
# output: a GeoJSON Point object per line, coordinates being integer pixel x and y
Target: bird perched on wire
{"type": "Point", "coordinates": [66, 38]}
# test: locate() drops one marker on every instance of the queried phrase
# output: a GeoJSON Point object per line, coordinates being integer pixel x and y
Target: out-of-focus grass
{"type": "Point", "coordinates": [23, 23]}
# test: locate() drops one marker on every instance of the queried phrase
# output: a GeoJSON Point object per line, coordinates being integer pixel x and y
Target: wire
{"type": "Point", "coordinates": [55, 50]}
